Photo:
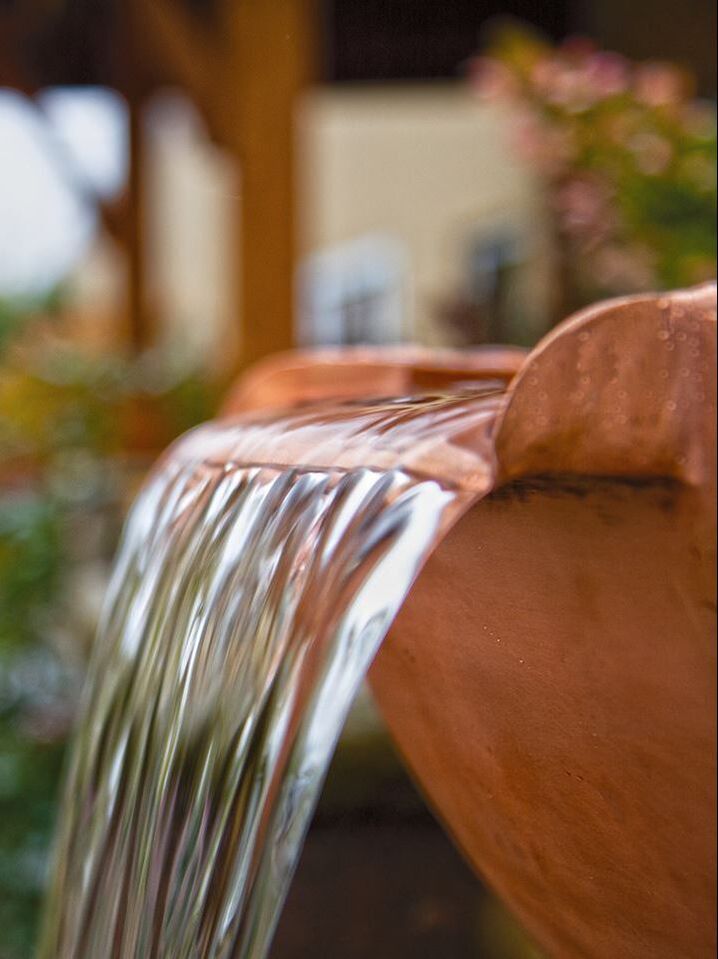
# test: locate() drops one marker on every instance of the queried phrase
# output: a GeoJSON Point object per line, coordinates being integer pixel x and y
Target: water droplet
{"type": "Point", "coordinates": [663, 303]}
{"type": "Point", "coordinates": [663, 335]}
{"type": "Point", "coordinates": [533, 380]}
{"type": "Point", "coordinates": [621, 418]}
{"type": "Point", "coordinates": [585, 380]}
{"type": "Point", "coordinates": [583, 336]}
{"type": "Point", "coordinates": [543, 395]}
{"type": "Point", "coordinates": [622, 394]}
{"type": "Point", "coordinates": [670, 405]}
{"type": "Point", "coordinates": [681, 336]}
{"type": "Point", "coordinates": [664, 374]}
{"type": "Point", "coordinates": [685, 371]}
{"type": "Point", "coordinates": [670, 346]}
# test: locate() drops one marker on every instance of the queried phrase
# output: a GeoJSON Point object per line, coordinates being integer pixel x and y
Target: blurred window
{"type": "Point", "coordinates": [354, 293]}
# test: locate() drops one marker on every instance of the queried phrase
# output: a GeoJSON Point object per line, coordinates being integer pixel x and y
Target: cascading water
{"type": "Point", "coordinates": [247, 603]}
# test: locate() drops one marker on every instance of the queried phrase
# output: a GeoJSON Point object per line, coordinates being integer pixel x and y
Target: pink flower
{"type": "Point", "coordinates": [578, 85]}
{"type": "Point", "coordinates": [547, 148]}
{"type": "Point", "coordinates": [546, 76]}
{"type": "Point", "coordinates": [607, 74]}
{"type": "Point", "coordinates": [583, 205]}
{"type": "Point", "coordinates": [624, 269]}
{"type": "Point", "coordinates": [569, 89]}
{"type": "Point", "coordinates": [492, 79]}
{"type": "Point", "coordinates": [659, 85]}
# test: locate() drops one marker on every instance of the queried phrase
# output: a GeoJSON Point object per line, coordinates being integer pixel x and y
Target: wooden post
{"type": "Point", "coordinates": [266, 65]}
{"type": "Point", "coordinates": [246, 72]}
{"type": "Point", "coordinates": [133, 76]}
{"type": "Point", "coordinates": [136, 308]}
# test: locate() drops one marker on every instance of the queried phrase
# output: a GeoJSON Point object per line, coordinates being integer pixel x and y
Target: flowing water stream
{"type": "Point", "coordinates": [260, 570]}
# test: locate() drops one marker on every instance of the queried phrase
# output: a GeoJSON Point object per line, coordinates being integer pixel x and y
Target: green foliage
{"type": "Point", "coordinates": [29, 567]}
{"type": "Point", "coordinates": [16, 313]}
{"type": "Point", "coordinates": [627, 157]}
{"type": "Point", "coordinates": [29, 773]}
{"type": "Point", "coordinates": [66, 417]}
{"type": "Point", "coordinates": [30, 557]}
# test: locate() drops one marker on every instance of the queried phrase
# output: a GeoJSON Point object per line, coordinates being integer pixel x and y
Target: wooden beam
{"type": "Point", "coordinates": [176, 46]}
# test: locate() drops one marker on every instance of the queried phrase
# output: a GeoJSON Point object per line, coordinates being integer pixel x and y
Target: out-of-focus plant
{"type": "Point", "coordinates": [56, 397]}
{"type": "Point", "coordinates": [36, 693]}
{"type": "Point", "coordinates": [627, 156]}
{"type": "Point", "coordinates": [69, 422]}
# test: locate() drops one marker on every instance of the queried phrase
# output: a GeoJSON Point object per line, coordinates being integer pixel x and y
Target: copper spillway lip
{"type": "Point", "coordinates": [306, 376]}
{"type": "Point", "coordinates": [551, 677]}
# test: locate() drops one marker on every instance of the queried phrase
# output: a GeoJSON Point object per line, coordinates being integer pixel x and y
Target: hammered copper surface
{"type": "Point", "coordinates": [551, 677]}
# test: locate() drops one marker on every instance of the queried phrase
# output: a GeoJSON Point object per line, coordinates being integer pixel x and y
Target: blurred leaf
{"type": "Point", "coordinates": [30, 559]}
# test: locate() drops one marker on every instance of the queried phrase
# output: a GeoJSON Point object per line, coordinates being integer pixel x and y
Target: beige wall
{"type": "Point", "coordinates": [426, 165]}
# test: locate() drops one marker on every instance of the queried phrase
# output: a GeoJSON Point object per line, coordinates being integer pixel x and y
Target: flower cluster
{"type": "Point", "coordinates": [627, 154]}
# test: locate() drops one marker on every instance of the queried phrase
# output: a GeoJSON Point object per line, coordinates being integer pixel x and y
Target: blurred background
{"type": "Point", "coordinates": [187, 186]}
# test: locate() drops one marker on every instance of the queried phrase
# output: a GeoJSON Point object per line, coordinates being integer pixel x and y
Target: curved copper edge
{"type": "Point", "coordinates": [304, 376]}
{"type": "Point", "coordinates": [623, 388]}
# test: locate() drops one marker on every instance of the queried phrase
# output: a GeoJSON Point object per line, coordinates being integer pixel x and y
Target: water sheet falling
{"type": "Point", "coordinates": [260, 570]}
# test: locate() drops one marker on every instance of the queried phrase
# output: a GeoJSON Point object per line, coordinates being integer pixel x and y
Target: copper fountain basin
{"type": "Point", "coordinates": [551, 678]}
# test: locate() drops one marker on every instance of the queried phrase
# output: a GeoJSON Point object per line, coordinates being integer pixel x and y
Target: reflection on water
{"type": "Point", "coordinates": [248, 601]}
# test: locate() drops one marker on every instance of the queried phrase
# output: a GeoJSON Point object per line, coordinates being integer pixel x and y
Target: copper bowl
{"type": "Point", "coordinates": [551, 678]}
